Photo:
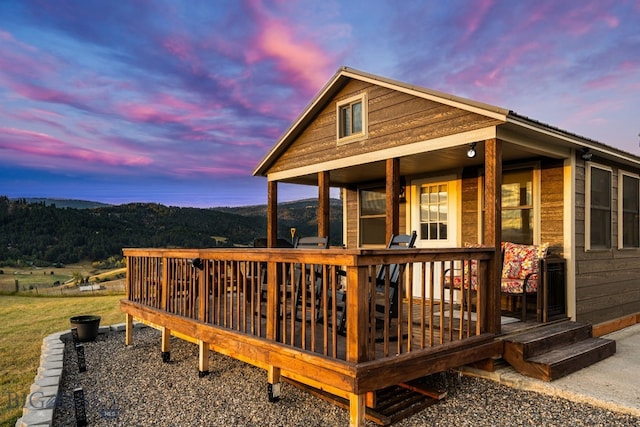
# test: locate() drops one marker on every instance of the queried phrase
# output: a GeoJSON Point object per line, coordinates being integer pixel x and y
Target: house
{"type": "Point", "coordinates": [474, 182]}
{"type": "Point", "coordinates": [371, 137]}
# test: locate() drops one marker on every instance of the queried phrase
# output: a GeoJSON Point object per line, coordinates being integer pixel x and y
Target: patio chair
{"type": "Point", "coordinates": [520, 272]}
{"type": "Point", "coordinates": [399, 241]}
{"type": "Point", "coordinates": [303, 281]}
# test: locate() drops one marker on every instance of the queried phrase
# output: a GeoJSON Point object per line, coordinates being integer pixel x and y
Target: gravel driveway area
{"type": "Point", "coordinates": [131, 386]}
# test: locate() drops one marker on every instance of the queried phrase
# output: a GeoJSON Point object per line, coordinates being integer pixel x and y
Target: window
{"type": "Point", "coordinates": [518, 198]}
{"type": "Point", "coordinates": [372, 216]}
{"type": "Point", "coordinates": [629, 206]}
{"type": "Point", "coordinates": [434, 212]}
{"type": "Point", "coordinates": [598, 208]}
{"type": "Point", "coordinates": [352, 119]}
{"type": "Point", "coordinates": [517, 206]}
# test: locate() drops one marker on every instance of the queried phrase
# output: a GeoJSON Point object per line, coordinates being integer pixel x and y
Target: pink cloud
{"type": "Point", "coordinates": [180, 48]}
{"type": "Point", "coordinates": [31, 145]}
{"type": "Point", "coordinates": [296, 56]}
{"type": "Point", "coordinates": [475, 15]}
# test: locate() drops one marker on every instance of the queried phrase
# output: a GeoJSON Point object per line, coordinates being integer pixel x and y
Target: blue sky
{"type": "Point", "coordinates": [176, 102]}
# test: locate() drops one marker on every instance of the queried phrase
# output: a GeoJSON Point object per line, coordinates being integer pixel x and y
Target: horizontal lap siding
{"type": "Point", "coordinates": [552, 204]}
{"type": "Point", "coordinates": [607, 281]}
{"type": "Point", "coordinates": [394, 119]}
{"type": "Point", "coordinates": [470, 206]}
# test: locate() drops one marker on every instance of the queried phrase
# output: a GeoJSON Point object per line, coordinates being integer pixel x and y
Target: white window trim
{"type": "Point", "coordinates": [621, 175]}
{"type": "Point", "coordinates": [453, 223]}
{"type": "Point", "coordinates": [587, 205]}
{"type": "Point", "coordinates": [365, 120]}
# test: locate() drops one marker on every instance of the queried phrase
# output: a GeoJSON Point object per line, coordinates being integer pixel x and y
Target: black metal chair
{"type": "Point", "coordinates": [312, 273]}
{"type": "Point", "coordinates": [397, 241]}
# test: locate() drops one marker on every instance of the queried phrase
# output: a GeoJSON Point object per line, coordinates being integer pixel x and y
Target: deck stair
{"type": "Point", "coordinates": [552, 351]}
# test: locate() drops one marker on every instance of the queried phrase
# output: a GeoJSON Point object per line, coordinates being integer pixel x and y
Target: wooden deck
{"type": "Point", "coordinates": [281, 310]}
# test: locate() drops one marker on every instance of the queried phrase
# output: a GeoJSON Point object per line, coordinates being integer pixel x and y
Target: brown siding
{"type": "Point", "coordinates": [394, 119]}
{"type": "Point", "coordinates": [552, 204]}
{"type": "Point", "coordinates": [607, 281]}
{"type": "Point", "coordinates": [351, 239]}
{"type": "Point", "coordinates": [470, 206]}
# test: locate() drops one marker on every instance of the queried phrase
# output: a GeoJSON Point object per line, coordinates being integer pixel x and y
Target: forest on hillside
{"type": "Point", "coordinates": [41, 234]}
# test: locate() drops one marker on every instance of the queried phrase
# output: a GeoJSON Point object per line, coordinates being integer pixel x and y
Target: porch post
{"type": "Point", "coordinates": [392, 222]}
{"type": "Point", "coordinates": [493, 228]}
{"type": "Point", "coordinates": [273, 372]}
{"type": "Point", "coordinates": [323, 204]}
{"type": "Point", "coordinates": [272, 214]}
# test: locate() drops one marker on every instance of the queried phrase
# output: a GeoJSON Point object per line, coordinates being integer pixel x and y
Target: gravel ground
{"type": "Point", "coordinates": [130, 386]}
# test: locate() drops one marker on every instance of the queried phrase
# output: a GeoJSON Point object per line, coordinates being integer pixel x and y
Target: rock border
{"type": "Point", "coordinates": [40, 402]}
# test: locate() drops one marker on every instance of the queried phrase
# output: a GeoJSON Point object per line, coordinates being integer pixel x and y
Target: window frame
{"type": "Point", "coordinates": [621, 211]}
{"type": "Point", "coordinates": [588, 208]}
{"type": "Point", "coordinates": [378, 216]}
{"type": "Point", "coordinates": [535, 198]}
{"type": "Point", "coordinates": [362, 98]}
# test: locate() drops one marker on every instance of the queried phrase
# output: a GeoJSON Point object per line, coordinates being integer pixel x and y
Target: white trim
{"type": "Point", "coordinates": [621, 175]}
{"type": "Point", "coordinates": [453, 197]}
{"type": "Point", "coordinates": [354, 137]}
{"type": "Point", "coordinates": [392, 152]}
{"type": "Point", "coordinates": [587, 204]}
{"type": "Point", "coordinates": [569, 228]}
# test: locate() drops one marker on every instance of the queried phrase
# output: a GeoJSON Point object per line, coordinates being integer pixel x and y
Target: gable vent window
{"type": "Point", "coordinates": [352, 119]}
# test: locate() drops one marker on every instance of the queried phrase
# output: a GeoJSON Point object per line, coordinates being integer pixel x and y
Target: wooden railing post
{"type": "Point", "coordinates": [357, 314]}
{"type": "Point", "coordinates": [273, 372]}
{"type": "Point", "coordinates": [165, 284]}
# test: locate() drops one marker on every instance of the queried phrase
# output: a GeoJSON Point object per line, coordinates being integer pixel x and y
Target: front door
{"type": "Point", "coordinates": [434, 216]}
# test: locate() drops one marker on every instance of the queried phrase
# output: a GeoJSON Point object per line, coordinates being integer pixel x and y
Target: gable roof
{"type": "Point", "coordinates": [510, 118]}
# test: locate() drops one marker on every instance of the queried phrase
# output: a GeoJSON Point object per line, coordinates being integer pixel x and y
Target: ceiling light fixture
{"type": "Point", "coordinates": [471, 152]}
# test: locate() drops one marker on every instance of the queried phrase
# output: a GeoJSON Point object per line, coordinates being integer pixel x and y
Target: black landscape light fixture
{"type": "Point", "coordinates": [471, 152]}
{"type": "Point", "coordinates": [586, 155]}
{"type": "Point", "coordinates": [196, 263]}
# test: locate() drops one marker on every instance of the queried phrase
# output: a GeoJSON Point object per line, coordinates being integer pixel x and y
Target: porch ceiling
{"type": "Point", "coordinates": [415, 165]}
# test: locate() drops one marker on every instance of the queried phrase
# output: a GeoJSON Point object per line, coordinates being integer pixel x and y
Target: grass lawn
{"type": "Point", "coordinates": [25, 321]}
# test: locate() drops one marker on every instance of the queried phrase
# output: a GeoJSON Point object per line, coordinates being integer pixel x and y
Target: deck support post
{"type": "Point", "coordinates": [165, 345]}
{"type": "Point", "coordinates": [274, 384]}
{"type": "Point", "coordinates": [128, 334]}
{"type": "Point", "coordinates": [203, 359]}
{"type": "Point", "coordinates": [357, 409]}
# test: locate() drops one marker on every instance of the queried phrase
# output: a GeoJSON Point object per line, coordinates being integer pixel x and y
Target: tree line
{"type": "Point", "coordinates": [38, 233]}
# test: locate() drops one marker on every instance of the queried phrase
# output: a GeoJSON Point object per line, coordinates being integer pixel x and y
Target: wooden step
{"type": "Point", "coordinates": [543, 339]}
{"type": "Point", "coordinates": [571, 358]}
{"type": "Point", "coordinates": [553, 351]}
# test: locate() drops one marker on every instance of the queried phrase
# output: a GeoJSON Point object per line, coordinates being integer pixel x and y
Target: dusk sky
{"type": "Point", "coordinates": [176, 102]}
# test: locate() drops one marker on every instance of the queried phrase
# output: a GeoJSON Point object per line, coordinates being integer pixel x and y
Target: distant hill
{"type": "Point", "coordinates": [63, 203]}
{"type": "Point", "coordinates": [48, 233]}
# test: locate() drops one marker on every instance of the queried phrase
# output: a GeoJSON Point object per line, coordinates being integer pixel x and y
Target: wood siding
{"type": "Point", "coordinates": [394, 119]}
{"type": "Point", "coordinates": [552, 204]}
{"type": "Point", "coordinates": [607, 281]}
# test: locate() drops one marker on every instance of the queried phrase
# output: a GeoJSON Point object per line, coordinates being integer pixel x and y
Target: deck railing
{"type": "Point", "coordinates": [334, 303]}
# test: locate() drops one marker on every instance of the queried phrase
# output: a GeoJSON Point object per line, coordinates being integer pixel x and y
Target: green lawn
{"type": "Point", "coordinates": [24, 322]}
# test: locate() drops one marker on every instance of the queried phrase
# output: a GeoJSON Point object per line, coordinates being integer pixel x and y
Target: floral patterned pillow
{"type": "Point", "coordinates": [522, 260]}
